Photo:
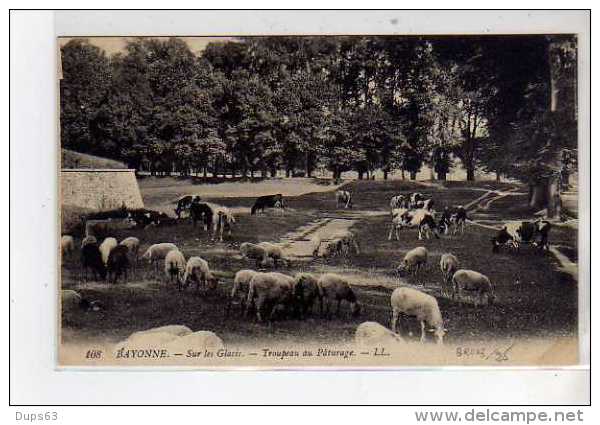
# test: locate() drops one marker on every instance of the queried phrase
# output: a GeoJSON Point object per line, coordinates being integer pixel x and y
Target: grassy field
{"type": "Point", "coordinates": [544, 303]}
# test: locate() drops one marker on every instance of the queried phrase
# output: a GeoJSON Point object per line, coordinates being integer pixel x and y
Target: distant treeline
{"type": "Point", "coordinates": [506, 104]}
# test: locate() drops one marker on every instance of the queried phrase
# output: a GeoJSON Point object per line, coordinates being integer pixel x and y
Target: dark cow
{"type": "Point", "coordinates": [455, 217]}
{"type": "Point", "coordinates": [202, 212]}
{"type": "Point", "coordinates": [184, 203]}
{"type": "Point", "coordinates": [268, 201]}
{"type": "Point", "coordinates": [422, 219]}
{"type": "Point", "coordinates": [118, 263]}
{"type": "Point", "coordinates": [92, 258]}
{"type": "Point", "coordinates": [414, 199]}
{"type": "Point", "coordinates": [520, 232]}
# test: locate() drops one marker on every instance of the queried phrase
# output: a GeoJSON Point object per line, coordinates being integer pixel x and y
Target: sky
{"type": "Point", "coordinates": [117, 44]}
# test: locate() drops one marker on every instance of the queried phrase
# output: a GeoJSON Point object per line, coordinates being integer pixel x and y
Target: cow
{"type": "Point", "coordinates": [184, 203]}
{"type": "Point", "coordinates": [424, 204]}
{"type": "Point", "coordinates": [216, 218]}
{"type": "Point", "coordinates": [519, 232]}
{"type": "Point", "coordinates": [422, 219]}
{"type": "Point", "coordinates": [343, 198]}
{"type": "Point", "coordinates": [414, 199]}
{"type": "Point", "coordinates": [398, 201]}
{"type": "Point", "coordinates": [268, 201]}
{"type": "Point", "coordinates": [455, 217]}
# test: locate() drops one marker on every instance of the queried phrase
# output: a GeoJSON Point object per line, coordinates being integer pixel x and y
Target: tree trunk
{"type": "Point", "coordinates": [538, 195]}
{"type": "Point", "coordinates": [497, 176]}
{"type": "Point", "coordinates": [470, 174]}
{"type": "Point", "coordinates": [385, 174]}
{"type": "Point", "coordinates": [287, 172]}
{"type": "Point", "coordinates": [360, 175]}
{"type": "Point", "coordinates": [553, 197]}
{"type": "Point", "coordinates": [413, 175]}
{"type": "Point", "coordinates": [441, 175]}
{"type": "Point", "coordinates": [205, 172]}
{"type": "Point", "coordinates": [403, 176]}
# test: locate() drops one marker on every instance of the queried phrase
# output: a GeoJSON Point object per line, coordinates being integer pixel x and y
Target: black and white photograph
{"type": "Point", "coordinates": [319, 200]}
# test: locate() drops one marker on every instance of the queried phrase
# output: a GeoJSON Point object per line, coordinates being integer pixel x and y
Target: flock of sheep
{"type": "Point", "coordinates": [272, 294]}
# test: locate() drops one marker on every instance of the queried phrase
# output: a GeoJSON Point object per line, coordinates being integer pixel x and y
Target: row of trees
{"type": "Point", "coordinates": [505, 104]}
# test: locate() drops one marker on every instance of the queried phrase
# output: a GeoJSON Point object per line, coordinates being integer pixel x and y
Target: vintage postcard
{"type": "Point", "coordinates": [318, 201]}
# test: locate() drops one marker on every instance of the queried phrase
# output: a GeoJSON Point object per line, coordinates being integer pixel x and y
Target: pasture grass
{"type": "Point", "coordinates": [544, 303]}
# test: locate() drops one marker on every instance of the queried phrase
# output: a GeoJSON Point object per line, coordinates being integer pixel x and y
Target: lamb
{"type": "Point", "coordinates": [241, 283]}
{"type": "Point", "coordinates": [414, 260]}
{"type": "Point", "coordinates": [67, 245]}
{"type": "Point", "coordinates": [88, 239]}
{"type": "Point", "coordinates": [118, 262]}
{"type": "Point", "coordinates": [92, 258]}
{"type": "Point", "coordinates": [448, 265]}
{"type": "Point", "coordinates": [158, 252]}
{"type": "Point", "coordinates": [472, 281]}
{"type": "Point", "coordinates": [175, 267]}
{"type": "Point", "coordinates": [197, 269]}
{"type": "Point", "coordinates": [374, 334]}
{"type": "Point", "coordinates": [272, 291]}
{"type": "Point", "coordinates": [106, 246]}
{"type": "Point", "coordinates": [255, 252]}
{"type": "Point", "coordinates": [333, 287]}
{"type": "Point", "coordinates": [423, 307]}
{"type": "Point", "coordinates": [348, 241]}
{"type": "Point", "coordinates": [273, 251]}
{"type": "Point", "coordinates": [306, 291]}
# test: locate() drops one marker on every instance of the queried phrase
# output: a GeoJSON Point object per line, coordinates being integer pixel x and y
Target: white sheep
{"type": "Point", "coordinates": [474, 282]}
{"type": "Point", "coordinates": [414, 260]}
{"type": "Point", "coordinates": [157, 252]}
{"type": "Point", "coordinates": [274, 252]}
{"type": "Point", "coordinates": [333, 287]}
{"type": "Point", "coordinates": [72, 301]}
{"type": "Point", "coordinates": [67, 245]}
{"type": "Point", "coordinates": [133, 248]}
{"type": "Point", "coordinates": [348, 241]}
{"type": "Point", "coordinates": [448, 265]}
{"type": "Point", "coordinates": [422, 306]}
{"type": "Point", "coordinates": [175, 267]}
{"type": "Point", "coordinates": [197, 341]}
{"type": "Point", "coordinates": [254, 252]}
{"type": "Point", "coordinates": [241, 283]}
{"type": "Point", "coordinates": [106, 246]}
{"type": "Point", "coordinates": [197, 270]}
{"type": "Point", "coordinates": [374, 334]}
{"type": "Point", "coordinates": [270, 289]}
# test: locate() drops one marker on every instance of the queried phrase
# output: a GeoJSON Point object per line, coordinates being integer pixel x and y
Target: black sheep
{"type": "Point", "coordinates": [118, 262]}
{"type": "Point", "coordinates": [92, 258]}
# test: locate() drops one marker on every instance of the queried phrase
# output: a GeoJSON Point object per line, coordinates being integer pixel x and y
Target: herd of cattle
{"type": "Point", "coordinates": [272, 294]}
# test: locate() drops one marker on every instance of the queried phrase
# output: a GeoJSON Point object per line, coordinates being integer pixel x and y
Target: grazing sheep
{"type": "Point", "coordinates": [198, 341]}
{"type": "Point", "coordinates": [341, 243]}
{"type": "Point", "coordinates": [118, 263]}
{"type": "Point", "coordinates": [175, 267]}
{"type": "Point", "coordinates": [333, 287]}
{"type": "Point", "coordinates": [414, 260]}
{"type": "Point", "coordinates": [274, 251]}
{"type": "Point", "coordinates": [72, 301]}
{"type": "Point", "coordinates": [197, 270]}
{"type": "Point", "coordinates": [332, 248]}
{"type": "Point", "coordinates": [92, 258]}
{"type": "Point", "coordinates": [474, 282]}
{"type": "Point", "coordinates": [272, 291]}
{"type": "Point", "coordinates": [374, 334]}
{"type": "Point", "coordinates": [88, 239]}
{"type": "Point", "coordinates": [315, 242]}
{"type": "Point", "coordinates": [448, 265]}
{"type": "Point", "coordinates": [158, 252]}
{"type": "Point", "coordinates": [306, 291]}
{"type": "Point", "coordinates": [241, 283]}
{"type": "Point", "coordinates": [254, 252]}
{"type": "Point", "coordinates": [133, 244]}
{"type": "Point", "coordinates": [106, 246]}
{"type": "Point", "coordinates": [423, 307]}
{"type": "Point", "coordinates": [67, 245]}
